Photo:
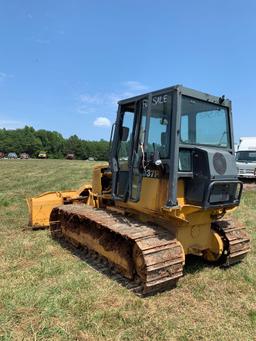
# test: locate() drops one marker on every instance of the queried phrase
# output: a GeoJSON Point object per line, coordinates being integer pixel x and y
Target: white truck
{"type": "Point", "coordinates": [246, 158]}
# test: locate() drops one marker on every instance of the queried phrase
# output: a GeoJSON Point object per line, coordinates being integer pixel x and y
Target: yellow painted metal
{"type": "Point", "coordinates": [85, 238]}
{"type": "Point", "coordinates": [190, 224]}
{"type": "Point", "coordinates": [152, 198]}
{"type": "Point", "coordinates": [215, 250]}
{"type": "Point", "coordinates": [96, 178]}
{"type": "Point", "coordinates": [41, 206]}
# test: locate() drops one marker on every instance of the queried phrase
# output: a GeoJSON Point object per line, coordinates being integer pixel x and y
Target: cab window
{"type": "Point", "coordinates": [159, 123]}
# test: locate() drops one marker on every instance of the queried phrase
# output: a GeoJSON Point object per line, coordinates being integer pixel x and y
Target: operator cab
{"type": "Point", "coordinates": [176, 133]}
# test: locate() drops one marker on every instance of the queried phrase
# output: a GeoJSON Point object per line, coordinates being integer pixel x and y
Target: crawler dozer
{"type": "Point", "coordinates": [166, 192]}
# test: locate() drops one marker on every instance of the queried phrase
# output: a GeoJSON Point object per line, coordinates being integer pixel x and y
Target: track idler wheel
{"type": "Point", "coordinates": [235, 241]}
{"type": "Point", "coordinates": [215, 252]}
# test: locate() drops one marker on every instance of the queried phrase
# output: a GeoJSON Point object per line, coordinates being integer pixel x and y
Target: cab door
{"type": "Point", "coordinates": [151, 147]}
{"type": "Point", "coordinates": [138, 160]}
{"type": "Point", "coordinates": [122, 150]}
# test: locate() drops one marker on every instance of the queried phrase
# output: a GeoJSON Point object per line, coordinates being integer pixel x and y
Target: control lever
{"type": "Point", "coordinates": [156, 156]}
{"type": "Point", "coordinates": [158, 162]}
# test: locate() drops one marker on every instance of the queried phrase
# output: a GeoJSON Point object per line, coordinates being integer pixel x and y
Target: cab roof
{"type": "Point", "coordinates": [184, 91]}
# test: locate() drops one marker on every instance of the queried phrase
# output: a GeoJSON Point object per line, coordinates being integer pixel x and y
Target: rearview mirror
{"type": "Point", "coordinates": [125, 134]}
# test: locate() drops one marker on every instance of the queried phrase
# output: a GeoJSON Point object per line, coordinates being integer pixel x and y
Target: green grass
{"type": "Point", "coordinates": [47, 293]}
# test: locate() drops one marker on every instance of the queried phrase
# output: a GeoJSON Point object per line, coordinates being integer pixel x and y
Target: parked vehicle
{"type": "Point", "coordinates": [70, 156]}
{"type": "Point", "coordinates": [42, 154]}
{"type": "Point", "coordinates": [12, 156]}
{"type": "Point", "coordinates": [24, 156]}
{"type": "Point", "coordinates": [246, 158]}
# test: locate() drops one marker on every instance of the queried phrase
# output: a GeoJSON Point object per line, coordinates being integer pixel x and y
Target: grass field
{"type": "Point", "coordinates": [47, 293]}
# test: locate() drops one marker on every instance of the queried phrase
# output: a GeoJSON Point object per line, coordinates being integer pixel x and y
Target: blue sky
{"type": "Point", "coordinates": [64, 64]}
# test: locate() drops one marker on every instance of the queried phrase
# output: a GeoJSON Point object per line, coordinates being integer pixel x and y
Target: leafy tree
{"type": "Point", "coordinates": [31, 141]}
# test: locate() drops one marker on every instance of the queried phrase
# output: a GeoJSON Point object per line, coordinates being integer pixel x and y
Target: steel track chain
{"type": "Point", "coordinates": [156, 256]}
{"type": "Point", "coordinates": [236, 241]}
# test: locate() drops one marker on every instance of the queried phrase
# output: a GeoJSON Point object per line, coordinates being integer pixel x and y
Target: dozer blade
{"type": "Point", "coordinates": [40, 207]}
{"type": "Point", "coordinates": [137, 250]}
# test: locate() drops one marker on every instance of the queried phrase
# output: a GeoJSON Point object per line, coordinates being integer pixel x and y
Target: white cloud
{"type": "Point", "coordinates": [4, 76]}
{"type": "Point", "coordinates": [86, 101]}
{"type": "Point", "coordinates": [102, 122]}
{"type": "Point", "coordinates": [11, 124]}
{"type": "Point", "coordinates": [115, 97]}
{"type": "Point", "coordinates": [60, 32]}
{"type": "Point", "coordinates": [85, 110]}
{"type": "Point", "coordinates": [42, 41]}
{"type": "Point", "coordinates": [91, 99]}
{"type": "Point", "coordinates": [92, 103]}
{"type": "Point", "coordinates": [135, 85]}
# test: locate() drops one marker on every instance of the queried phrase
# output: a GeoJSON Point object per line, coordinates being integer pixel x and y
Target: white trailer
{"type": "Point", "coordinates": [246, 158]}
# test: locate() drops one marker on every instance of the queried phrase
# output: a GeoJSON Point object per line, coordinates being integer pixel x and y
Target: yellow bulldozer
{"type": "Point", "coordinates": [170, 181]}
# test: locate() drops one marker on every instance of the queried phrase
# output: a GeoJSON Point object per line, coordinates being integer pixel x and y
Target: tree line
{"type": "Point", "coordinates": [31, 141]}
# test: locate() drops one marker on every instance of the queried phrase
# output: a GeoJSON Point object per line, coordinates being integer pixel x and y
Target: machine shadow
{"type": "Point", "coordinates": [193, 265]}
{"type": "Point", "coordinates": [100, 264]}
